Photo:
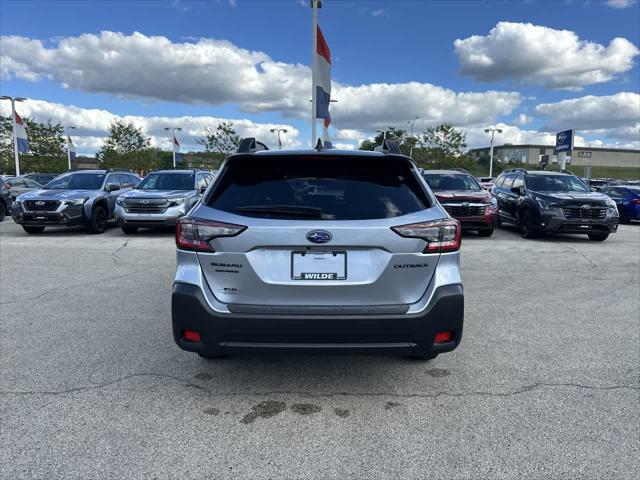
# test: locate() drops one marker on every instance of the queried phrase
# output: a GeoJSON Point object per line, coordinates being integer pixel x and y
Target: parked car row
{"type": "Point", "coordinates": [92, 198]}
{"type": "Point", "coordinates": [536, 202]}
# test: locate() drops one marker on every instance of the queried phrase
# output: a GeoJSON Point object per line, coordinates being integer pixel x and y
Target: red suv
{"type": "Point", "coordinates": [462, 196]}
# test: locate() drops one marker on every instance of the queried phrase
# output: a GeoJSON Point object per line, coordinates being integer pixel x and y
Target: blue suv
{"type": "Point", "coordinates": [83, 197]}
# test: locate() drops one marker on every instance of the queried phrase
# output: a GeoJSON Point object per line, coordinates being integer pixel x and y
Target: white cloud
{"type": "Point", "coordinates": [620, 4]}
{"type": "Point", "coordinates": [380, 105]}
{"type": "Point", "coordinates": [215, 72]}
{"type": "Point", "coordinates": [344, 146]}
{"type": "Point", "coordinates": [476, 137]}
{"type": "Point", "coordinates": [348, 134]}
{"type": "Point", "coordinates": [617, 114]}
{"type": "Point", "coordinates": [153, 67]}
{"type": "Point", "coordinates": [522, 119]}
{"type": "Point", "coordinates": [378, 13]}
{"type": "Point", "coordinates": [93, 124]}
{"type": "Point", "coordinates": [557, 59]}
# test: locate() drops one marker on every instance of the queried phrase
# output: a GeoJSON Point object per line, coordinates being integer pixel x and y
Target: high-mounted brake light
{"type": "Point", "coordinates": [196, 233]}
{"type": "Point", "coordinates": [441, 235]}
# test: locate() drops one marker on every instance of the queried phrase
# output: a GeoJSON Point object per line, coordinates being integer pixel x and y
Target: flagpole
{"type": "Point", "coordinates": [69, 145]}
{"type": "Point", "coordinates": [173, 144]}
{"type": "Point", "coordinates": [314, 35]}
{"type": "Point", "coordinates": [15, 137]}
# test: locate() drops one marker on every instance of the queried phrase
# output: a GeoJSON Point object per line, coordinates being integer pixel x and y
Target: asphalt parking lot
{"type": "Point", "coordinates": [544, 384]}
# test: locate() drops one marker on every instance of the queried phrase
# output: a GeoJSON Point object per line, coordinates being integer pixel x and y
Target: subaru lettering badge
{"type": "Point", "coordinates": [319, 236]}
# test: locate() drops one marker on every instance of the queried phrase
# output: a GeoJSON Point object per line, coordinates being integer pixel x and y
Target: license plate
{"type": "Point", "coordinates": [319, 265]}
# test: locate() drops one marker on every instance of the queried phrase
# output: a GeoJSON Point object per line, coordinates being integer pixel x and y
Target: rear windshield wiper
{"type": "Point", "coordinates": [282, 210]}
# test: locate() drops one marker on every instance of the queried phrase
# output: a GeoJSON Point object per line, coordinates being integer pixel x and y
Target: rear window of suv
{"type": "Point", "coordinates": [326, 188]}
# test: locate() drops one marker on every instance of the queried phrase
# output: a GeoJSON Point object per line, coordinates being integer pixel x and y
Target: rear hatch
{"type": "Point", "coordinates": [318, 233]}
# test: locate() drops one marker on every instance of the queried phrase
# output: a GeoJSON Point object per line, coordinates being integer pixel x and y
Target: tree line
{"type": "Point", "coordinates": [126, 146]}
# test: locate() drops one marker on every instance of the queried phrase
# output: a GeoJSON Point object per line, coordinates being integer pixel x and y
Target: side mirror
{"type": "Point", "coordinates": [518, 191]}
{"type": "Point", "coordinates": [111, 187]}
{"type": "Point", "coordinates": [203, 189]}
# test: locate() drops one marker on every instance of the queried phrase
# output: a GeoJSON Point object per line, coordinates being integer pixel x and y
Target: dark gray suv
{"type": "Point", "coordinates": [82, 197]}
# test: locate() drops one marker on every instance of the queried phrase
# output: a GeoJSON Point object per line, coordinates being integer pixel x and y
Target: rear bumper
{"type": "Point", "coordinates": [354, 334]}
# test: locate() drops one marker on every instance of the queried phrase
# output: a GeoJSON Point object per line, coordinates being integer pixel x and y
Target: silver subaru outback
{"type": "Point", "coordinates": [320, 250]}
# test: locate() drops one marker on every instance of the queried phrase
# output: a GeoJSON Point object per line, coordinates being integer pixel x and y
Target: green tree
{"type": "Point", "coordinates": [47, 152]}
{"type": "Point", "coordinates": [396, 134]}
{"type": "Point", "coordinates": [222, 141]}
{"type": "Point", "coordinates": [446, 139]}
{"type": "Point", "coordinates": [124, 138]}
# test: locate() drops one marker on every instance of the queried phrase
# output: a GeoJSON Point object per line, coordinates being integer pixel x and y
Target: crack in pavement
{"type": "Point", "coordinates": [589, 261]}
{"type": "Point", "coordinates": [519, 391]}
{"type": "Point", "coordinates": [115, 253]}
{"type": "Point", "coordinates": [86, 284]}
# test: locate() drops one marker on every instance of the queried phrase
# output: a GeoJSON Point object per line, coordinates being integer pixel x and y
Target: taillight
{"type": "Point", "coordinates": [636, 201]}
{"type": "Point", "coordinates": [196, 233]}
{"type": "Point", "coordinates": [441, 235]}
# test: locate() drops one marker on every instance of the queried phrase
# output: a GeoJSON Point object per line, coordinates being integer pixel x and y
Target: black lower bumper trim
{"type": "Point", "coordinates": [359, 334]}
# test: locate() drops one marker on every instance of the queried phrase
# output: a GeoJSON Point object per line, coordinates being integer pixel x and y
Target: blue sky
{"type": "Point", "coordinates": [372, 43]}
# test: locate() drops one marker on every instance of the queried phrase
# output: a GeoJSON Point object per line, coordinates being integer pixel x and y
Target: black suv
{"type": "Point", "coordinates": [555, 202]}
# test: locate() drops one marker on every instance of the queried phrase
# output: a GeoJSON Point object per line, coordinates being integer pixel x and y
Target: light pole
{"type": "Point", "coordinates": [15, 136]}
{"type": "Point", "coordinates": [278, 130]}
{"type": "Point", "coordinates": [173, 141]}
{"type": "Point", "coordinates": [493, 132]}
{"type": "Point", "coordinates": [69, 145]}
{"type": "Point", "coordinates": [412, 123]}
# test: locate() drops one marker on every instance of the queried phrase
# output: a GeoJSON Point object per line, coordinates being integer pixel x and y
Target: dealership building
{"type": "Point", "coordinates": [605, 157]}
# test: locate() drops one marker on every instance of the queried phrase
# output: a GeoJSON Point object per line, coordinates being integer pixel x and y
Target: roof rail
{"type": "Point", "coordinates": [567, 171]}
{"type": "Point", "coordinates": [460, 169]}
{"type": "Point", "coordinates": [125, 170]}
{"type": "Point", "coordinates": [388, 146]}
{"type": "Point", "coordinates": [521, 170]}
{"type": "Point", "coordinates": [250, 145]}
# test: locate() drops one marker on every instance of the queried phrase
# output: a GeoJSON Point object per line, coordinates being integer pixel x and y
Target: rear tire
{"type": "Point", "coordinates": [129, 230]}
{"type": "Point", "coordinates": [3, 211]}
{"type": "Point", "coordinates": [211, 356]}
{"type": "Point", "coordinates": [99, 220]}
{"type": "Point", "coordinates": [33, 230]}
{"type": "Point", "coordinates": [599, 237]}
{"type": "Point", "coordinates": [486, 232]}
{"type": "Point", "coordinates": [528, 229]}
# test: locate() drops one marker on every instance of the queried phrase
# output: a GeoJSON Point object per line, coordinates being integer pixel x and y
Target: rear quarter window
{"type": "Point", "coordinates": [336, 188]}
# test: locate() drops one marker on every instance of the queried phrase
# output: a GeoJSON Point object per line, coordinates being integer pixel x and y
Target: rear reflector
{"type": "Point", "coordinates": [443, 337]}
{"type": "Point", "coordinates": [191, 336]}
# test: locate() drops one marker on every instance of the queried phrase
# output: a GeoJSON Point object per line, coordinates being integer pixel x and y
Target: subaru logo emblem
{"type": "Point", "coordinates": [562, 137]}
{"type": "Point", "coordinates": [465, 204]}
{"type": "Point", "coordinates": [144, 202]}
{"type": "Point", "coordinates": [319, 236]}
{"type": "Point", "coordinates": [586, 207]}
{"type": "Point", "coordinates": [39, 203]}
